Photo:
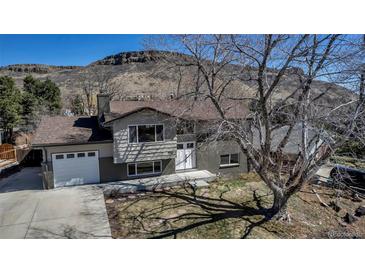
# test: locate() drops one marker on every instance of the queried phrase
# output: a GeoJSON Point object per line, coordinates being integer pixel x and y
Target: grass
{"type": "Point", "coordinates": [348, 161]}
{"type": "Point", "coordinates": [228, 209]}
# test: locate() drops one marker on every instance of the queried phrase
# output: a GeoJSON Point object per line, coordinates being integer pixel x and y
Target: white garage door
{"type": "Point", "coordinates": [75, 168]}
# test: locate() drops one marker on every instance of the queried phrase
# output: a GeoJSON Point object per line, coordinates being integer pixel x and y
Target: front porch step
{"type": "Point", "coordinates": [199, 178]}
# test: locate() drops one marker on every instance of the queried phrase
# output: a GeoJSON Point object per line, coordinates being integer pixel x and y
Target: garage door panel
{"type": "Point", "coordinates": [74, 170]}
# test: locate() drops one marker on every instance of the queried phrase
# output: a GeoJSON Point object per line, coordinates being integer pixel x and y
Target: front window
{"type": "Point", "coordinates": [159, 132]}
{"type": "Point", "coordinates": [145, 133]}
{"type": "Point", "coordinates": [157, 167]}
{"type": "Point", "coordinates": [225, 159]}
{"type": "Point", "coordinates": [144, 168]}
{"type": "Point", "coordinates": [234, 159]}
{"type": "Point", "coordinates": [131, 169]}
{"type": "Point", "coordinates": [229, 160]}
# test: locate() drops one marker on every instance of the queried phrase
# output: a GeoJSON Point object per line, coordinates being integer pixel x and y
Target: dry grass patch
{"type": "Point", "coordinates": [228, 209]}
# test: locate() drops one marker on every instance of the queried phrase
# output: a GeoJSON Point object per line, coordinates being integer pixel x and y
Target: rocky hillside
{"type": "Point", "coordinates": [141, 57]}
{"type": "Point", "coordinates": [35, 68]}
{"type": "Point", "coordinates": [144, 74]}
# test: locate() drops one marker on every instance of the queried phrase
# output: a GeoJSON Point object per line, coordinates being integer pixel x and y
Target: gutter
{"type": "Point", "coordinates": [70, 144]}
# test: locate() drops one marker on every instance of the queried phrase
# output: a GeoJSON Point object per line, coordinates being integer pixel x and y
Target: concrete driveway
{"type": "Point", "coordinates": [73, 212]}
{"type": "Point", "coordinates": [28, 178]}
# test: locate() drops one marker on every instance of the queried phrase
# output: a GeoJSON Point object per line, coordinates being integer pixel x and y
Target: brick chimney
{"type": "Point", "coordinates": [103, 101]}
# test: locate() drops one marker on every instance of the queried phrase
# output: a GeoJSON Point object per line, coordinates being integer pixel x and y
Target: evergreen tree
{"type": "Point", "coordinates": [51, 95]}
{"type": "Point", "coordinates": [31, 85]}
{"type": "Point", "coordinates": [10, 107]}
{"type": "Point", "coordinates": [77, 105]}
{"type": "Point", "coordinates": [29, 104]}
{"type": "Point", "coordinates": [46, 93]}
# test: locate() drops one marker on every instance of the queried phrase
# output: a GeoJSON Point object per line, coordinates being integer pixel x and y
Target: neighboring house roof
{"type": "Point", "coordinates": [69, 130]}
{"type": "Point", "coordinates": [192, 110]}
{"type": "Point", "coordinates": [294, 142]}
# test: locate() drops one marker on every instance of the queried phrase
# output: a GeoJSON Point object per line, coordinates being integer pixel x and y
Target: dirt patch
{"type": "Point", "coordinates": [230, 209]}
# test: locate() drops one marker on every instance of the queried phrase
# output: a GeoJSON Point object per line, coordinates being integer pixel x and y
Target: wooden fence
{"type": "Point", "coordinates": [7, 152]}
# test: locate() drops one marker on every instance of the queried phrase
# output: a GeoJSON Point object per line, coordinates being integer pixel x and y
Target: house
{"type": "Point", "coordinates": [136, 139]}
{"type": "Point", "coordinates": [319, 141]}
{"type": "Point", "coordinates": [316, 139]}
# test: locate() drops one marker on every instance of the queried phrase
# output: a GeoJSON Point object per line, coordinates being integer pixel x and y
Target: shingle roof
{"type": "Point", "coordinates": [69, 130]}
{"type": "Point", "coordinates": [76, 129]}
{"type": "Point", "coordinates": [194, 110]}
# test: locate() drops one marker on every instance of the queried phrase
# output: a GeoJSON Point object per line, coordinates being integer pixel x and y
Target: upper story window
{"type": "Point", "coordinates": [185, 127]}
{"type": "Point", "coordinates": [145, 133]}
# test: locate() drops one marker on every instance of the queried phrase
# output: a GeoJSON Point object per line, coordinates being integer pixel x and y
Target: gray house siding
{"type": "Point", "coordinates": [186, 138]}
{"type": "Point", "coordinates": [104, 149]}
{"type": "Point", "coordinates": [208, 157]}
{"type": "Point", "coordinates": [124, 152]}
{"type": "Point", "coordinates": [110, 172]}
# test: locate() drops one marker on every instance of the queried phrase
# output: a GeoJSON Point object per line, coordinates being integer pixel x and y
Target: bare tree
{"type": "Point", "coordinates": [104, 80]}
{"type": "Point", "coordinates": [95, 80]}
{"type": "Point", "coordinates": [309, 117]}
{"type": "Point", "coordinates": [88, 89]}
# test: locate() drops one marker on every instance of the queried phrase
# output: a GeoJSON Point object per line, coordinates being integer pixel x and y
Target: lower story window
{"type": "Point", "coordinates": [144, 168]}
{"type": "Point", "coordinates": [229, 160]}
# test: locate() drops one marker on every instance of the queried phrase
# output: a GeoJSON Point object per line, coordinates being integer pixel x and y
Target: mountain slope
{"type": "Point", "coordinates": [146, 74]}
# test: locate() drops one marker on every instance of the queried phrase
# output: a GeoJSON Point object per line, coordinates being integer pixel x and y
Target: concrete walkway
{"type": "Point", "coordinates": [75, 212]}
{"type": "Point", "coordinates": [196, 178]}
{"type": "Point", "coordinates": [324, 172]}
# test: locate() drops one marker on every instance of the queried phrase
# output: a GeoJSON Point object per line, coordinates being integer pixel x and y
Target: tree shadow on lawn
{"type": "Point", "coordinates": [204, 211]}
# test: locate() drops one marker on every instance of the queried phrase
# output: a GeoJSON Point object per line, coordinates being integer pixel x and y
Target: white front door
{"type": "Point", "coordinates": [75, 168]}
{"type": "Point", "coordinates": [185, 156]}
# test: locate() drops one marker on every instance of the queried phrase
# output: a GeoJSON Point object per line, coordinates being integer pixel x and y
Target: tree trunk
{"type": "Point", "coordinates": [279, 207]}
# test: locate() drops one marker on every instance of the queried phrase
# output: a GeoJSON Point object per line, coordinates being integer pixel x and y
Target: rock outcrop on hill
{"type": "Point", "coordinates": [151, 75]}
{"type": "Point", "coordinates": [141, 57]}
{"type": "Point", "coordinates": [35, 68]}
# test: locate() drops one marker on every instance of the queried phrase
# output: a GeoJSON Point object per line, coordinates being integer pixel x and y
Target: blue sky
{"type": "Point", "coordinates": [64, 49]}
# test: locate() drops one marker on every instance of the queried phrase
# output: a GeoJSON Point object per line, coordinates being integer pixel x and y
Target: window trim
{"type": "Point", "coordinates": [229, 160]}
{"type": "Point", "coordinates": [144, 174]}
{"type": "Point", "coordinates": [137, 125]}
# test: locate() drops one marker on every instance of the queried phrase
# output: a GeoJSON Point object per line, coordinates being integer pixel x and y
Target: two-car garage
{"type": "Point", "coordinates": [75, 168]}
